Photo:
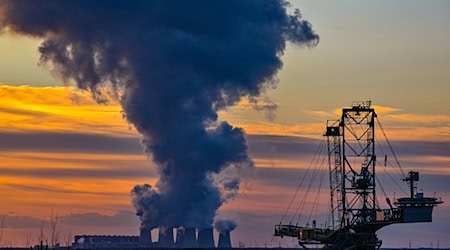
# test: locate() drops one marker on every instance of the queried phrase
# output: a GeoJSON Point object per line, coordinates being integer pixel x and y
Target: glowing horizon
{"type": "Point", "coordinates": [63, 152]}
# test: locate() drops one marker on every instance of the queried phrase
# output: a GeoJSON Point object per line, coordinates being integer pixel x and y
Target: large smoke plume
{"type": "Point", "coordinates": [174, 65]}
{"type": "Point", "coordinates": [225, 225]}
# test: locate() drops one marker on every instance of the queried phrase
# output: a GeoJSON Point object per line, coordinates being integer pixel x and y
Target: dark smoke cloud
{"type": "Point", "coordinates": [174, 65]}
{"type": "Point", "coordinates": [268, 107]}
{"type": "Point", "coordinates": [225, 225]}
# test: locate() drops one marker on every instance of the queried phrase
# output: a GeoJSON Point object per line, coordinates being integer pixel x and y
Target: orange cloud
{"type": "Point", "coordinates": [383, 110]}
{"type": "Point", "coordinates": [64, 109]}
{"type": "Point", "coordinates": [397, 125]}
{"type": "Point", "coordinates": [58, 109]}
{"type": "Point", "coordinates": [34, 183]}
{"type": "Point", "coordinates": [421, 119]}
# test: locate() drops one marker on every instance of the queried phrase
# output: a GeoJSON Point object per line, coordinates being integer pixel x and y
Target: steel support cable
{"type": "Point", "coordinates": [315, 205]}
{"type": "Point", "coordinates": [390, 147]}
{"type": "Point", "coordinates": [319, 189]}
{"type": "Point", "coordinates": [382, 189]}
{"type": "Point", "coordinates": [301, 182]}
{"type": "Point", "coordinates": [397, 171]}
{"type": "Point", "coordinates": [302, 202]}
{"type": "Point", "coordinates": [316, 200]}
{"type": "Point", "coordinates": [388, 163]}
{"type": "Point", "coordinates": [394, 181]}
{"type": "Point", "coordinates": [316, 154]}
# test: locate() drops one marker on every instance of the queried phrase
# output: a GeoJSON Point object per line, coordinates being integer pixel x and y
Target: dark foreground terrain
{"type": "Point", "coordinates": [248, 248]}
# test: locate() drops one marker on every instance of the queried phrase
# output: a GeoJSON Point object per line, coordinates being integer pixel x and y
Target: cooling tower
{"type": "Point", "coordinates": [224, 240]}
{"type": "Point", "coordinates": [145, 236]}
{"type": "Point", "coordinates": [205, 238]}
{"type": "Point", "coordinates": [179, 241]}
{"type": "Point", "coordinates": [190, 239]}
{"type": "Point", "coordinates": [186, 238]}
{"type": "Point", "coordinates": [165, 237]}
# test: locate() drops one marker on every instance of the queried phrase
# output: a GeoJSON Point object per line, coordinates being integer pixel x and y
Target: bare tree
{"type": "Point", "coordinates": [1, 230]}
{"type": "Point", "coordinates": [28, 240]}
{"type": "Point", "coordinates": [68, 239]}
{"type": "Point", "coordinates": [42, 238]}
{"type": "Point", "coordinates": [54, 234]}
{"type": "Point", "coordinates": [57, 238]}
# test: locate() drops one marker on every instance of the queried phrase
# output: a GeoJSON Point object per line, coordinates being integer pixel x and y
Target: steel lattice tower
{"type": "Point", "coordinates": [358, 163]}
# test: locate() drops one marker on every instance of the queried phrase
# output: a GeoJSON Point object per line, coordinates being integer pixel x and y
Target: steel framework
{"type": "Point", "coordinates": [355, 212]}
{"type": "Point", "coordinates": [358, 164]}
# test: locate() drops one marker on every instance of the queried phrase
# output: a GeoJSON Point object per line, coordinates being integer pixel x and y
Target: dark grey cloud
{"type": "Point", "coordinates": [50, 190]}
{"type": "Point", "coordinates": [16, 221]}
{"type": "Point", "coordinates": [259, 146]}
{"type": "Point", "coordinates": [122, 218]}
{"type": "Point", "coordinates": [268, 107]}
{"type": "Point", "coordinates": [125, 170]}
{"type": "Point", "coordinates": [435, 182]}
{"type": "Point", "coordinates": [391, 181]}
{"type": "Point", "coordinates": [277, 176]}
{"type": "Point", "coordinates": [286, 147]}
{"type": "Point", "coordinates": [414, 147]}
{"type": "Point", "coordinates": [68, 142]}
{"type": "Point", "coordinates": [295, 148]}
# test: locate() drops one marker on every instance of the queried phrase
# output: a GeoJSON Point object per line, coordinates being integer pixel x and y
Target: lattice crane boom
{"type": "Point", "coordinates": [355, 212]}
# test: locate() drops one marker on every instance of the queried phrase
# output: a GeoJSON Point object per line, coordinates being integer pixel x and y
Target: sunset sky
{"type": "Point", "coordinates": [63, 153]}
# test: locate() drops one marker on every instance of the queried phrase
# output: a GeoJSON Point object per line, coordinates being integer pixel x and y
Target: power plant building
{"type": "Point", "coordinates": [105, 242]}
{"type": "Point", "coordinates": [184, 238]}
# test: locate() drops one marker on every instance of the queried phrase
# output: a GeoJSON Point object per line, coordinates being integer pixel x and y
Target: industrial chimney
{"type": "Point", "coordinates": [145, 236]}
{"type": "Point", "coordinates": [224, 240]}
{"type": "Point", "coordinates": [205, 238]}
{"type": "Point", "coordinates": [186, 238]}
{"type": "Point", "coordinates": [179, 241]}
{"type": "Point", "coordinates": [190, 239]}
{"type": "Point", "coordinates": [165, 237]}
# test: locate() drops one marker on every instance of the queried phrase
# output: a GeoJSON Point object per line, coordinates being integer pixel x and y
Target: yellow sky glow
{"type": "Point", "coordinates": [59, 109]}
{"type": "Point", "coordinates": [64, 109]}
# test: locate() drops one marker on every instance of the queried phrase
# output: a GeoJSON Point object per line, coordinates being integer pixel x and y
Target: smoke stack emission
{"type": "Point", "coordinates": [205, 238]}
{"type": "Point", "coordinates": [224, 240]}
{"type": "Point", "coordinates": [145, 235]}
{"type": "Point", "coordinates": [186, 238]}
{"type": "Point", "coordinates": [165, 238]}
{"type": "Point", "coordinates": [224, 227]}
{"type": "Point", "coordinates": [180, 237]}
{"type": "Point", "coordinates": [173, 65]}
